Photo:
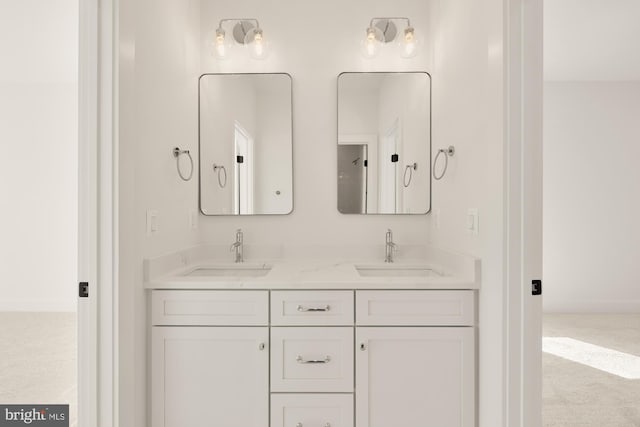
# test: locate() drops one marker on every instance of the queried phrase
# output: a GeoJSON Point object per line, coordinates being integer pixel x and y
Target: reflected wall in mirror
{"type": "Point", "coordinates": [246, 158]}
{"type": "Point", "coordinates": [384, 143]}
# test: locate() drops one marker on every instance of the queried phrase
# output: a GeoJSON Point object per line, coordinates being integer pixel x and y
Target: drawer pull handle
{"type": "Point", "coordinates": [326, 425]}
{"type": "Point", "coordinates": [299, 359]}
{"type": "Point", "coordinates": [305, 309]}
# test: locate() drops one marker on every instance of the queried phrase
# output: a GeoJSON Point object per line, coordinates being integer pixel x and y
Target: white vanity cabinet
{"type": "Point", "coordinates": [415, 359]}
{"type": "Point", "coordinates": [207, 366]}
{"type": "Point", "coordinates": [412, 376]}
{"type": "Point", "coordinates": [313, 358]}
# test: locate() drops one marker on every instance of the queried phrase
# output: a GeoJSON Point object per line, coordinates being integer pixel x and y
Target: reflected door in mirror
{"type": "Point", "coordinates": [384, 119]}
{"type": "Point", "coordinates": [245, 144]}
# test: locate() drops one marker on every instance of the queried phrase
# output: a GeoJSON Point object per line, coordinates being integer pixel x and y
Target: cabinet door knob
{"type": "Point", "coordinates": [302, 308]}
{"type": "Point", "coordinates": [261, 346]}
{"type": "Point", "coordinates": [363, 347]}
{"type": "Point", "coordinates": [299, 425]}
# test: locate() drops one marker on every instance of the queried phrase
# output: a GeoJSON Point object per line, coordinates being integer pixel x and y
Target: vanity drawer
{"type": "Point", "coordinates": [311, 308]}
{"type": "Point", "coordinates": [312, 410]}
{"type": "Point", "coordinates": [312, 359]}
{"type": "Point", "coordinates": [415, 308]}
{"type": "Point", "coordinates": [210, 308]}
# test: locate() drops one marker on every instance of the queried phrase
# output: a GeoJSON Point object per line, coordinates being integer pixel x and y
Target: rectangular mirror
{"type": "Point", "coordinates": [245, 140]}
{"type": "Point", "coordinates": [384, 143]}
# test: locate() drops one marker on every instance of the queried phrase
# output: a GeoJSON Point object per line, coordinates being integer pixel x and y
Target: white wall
{"type": "Point", "coordinates": [273, 145]}
{"type": "Point", "coordinates": [162, 52]}
{"type": "Point", "coordinates": [38, 141]}
{"type": "Point", "coordinates": [217, 133]}
{"type": "Point", "coordinates": [591, 196]}
{"type": "Point", "coordinates": [158, 74]}
{"type": "Point", "coordinates": [468, 113]}
{"type": "Point", "coordinates": [358, 112]}
{"type": "Point", "coordinates": [314, 64]}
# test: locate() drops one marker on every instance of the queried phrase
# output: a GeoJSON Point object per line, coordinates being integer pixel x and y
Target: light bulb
{"type": "Point", "coordinates": [221, 45]}
{"type": "Point", "coordinates": [370, 45]}
{"type": "Point", "coordinates": [257, 44]}
{"type": "Point", "coordinates": [408, 43]}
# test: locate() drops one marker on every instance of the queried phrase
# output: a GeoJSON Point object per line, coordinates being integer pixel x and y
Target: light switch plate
{"type": "Point", "coordinates": [152, 222]}
{"type": "Point", "coordinates": [473, 221]}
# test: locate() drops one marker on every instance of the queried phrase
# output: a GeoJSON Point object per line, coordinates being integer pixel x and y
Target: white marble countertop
{"type": "Point", "coordinates": [452, 272]}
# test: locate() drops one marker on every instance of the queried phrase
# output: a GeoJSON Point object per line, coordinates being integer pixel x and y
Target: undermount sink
{"type": "Point", "coordinates": [230, 271]}
{"type": "Point", "coordinates": [395, 271]}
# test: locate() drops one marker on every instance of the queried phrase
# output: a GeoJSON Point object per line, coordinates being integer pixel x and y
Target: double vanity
{"type": "Point", "coordinates": [316, 336]}
{"type": "Point", "coordinates": [290, 342]}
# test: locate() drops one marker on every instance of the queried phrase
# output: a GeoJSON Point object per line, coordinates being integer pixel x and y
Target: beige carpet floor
{"type": "Point", "coordinates": [576, 395]}
{"type": "Point", "coordinates": [38, 359]}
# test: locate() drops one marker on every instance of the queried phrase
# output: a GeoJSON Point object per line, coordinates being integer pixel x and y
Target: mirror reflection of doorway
{"type": "Point", "coordinates": [352, 173]}
{"type": "Point", "coordinates": [243, 176]}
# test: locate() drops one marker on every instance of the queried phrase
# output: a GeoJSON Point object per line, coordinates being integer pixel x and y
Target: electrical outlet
{"type": "Point", "coordinates": [152, 222]}
{"type": "Point", "coordinates": [473, 221]}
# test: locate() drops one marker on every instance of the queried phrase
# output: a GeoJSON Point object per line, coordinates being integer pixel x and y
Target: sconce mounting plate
{"type": "Point", "coordinates": [388, 29]}
{"type": "Point", "coordinates": [241, 29]}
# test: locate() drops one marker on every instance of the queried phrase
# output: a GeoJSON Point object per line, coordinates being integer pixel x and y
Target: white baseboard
{"type": "Point", "coordinates": [592, 306]}
{"type": "Point", "coordinates": [39, 305]}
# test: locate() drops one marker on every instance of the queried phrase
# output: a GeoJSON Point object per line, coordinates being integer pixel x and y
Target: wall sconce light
{"type": "Point", "coordinates": [246, 32]}
{"type": "Point", "coordinates": [384, 30]}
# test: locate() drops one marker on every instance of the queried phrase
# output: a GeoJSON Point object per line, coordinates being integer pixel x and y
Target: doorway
{"type": "Point", "coordinates": [591, 325]}
{"type": "Point", "coordinates": [39, 219]}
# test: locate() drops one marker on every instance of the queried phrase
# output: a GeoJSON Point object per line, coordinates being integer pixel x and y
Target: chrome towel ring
{"type": "Point", "coordinates": [449, 152]}
{"type": "Point", "coordinates": [177, 152]}
{"type": "Point", "coordinates": [222, 171]}
{"type": "Point", "coordinates": [410, 169]}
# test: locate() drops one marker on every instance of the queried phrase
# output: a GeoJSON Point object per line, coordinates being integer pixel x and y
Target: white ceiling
{"type": "Point", "coordinates": [592, 40]}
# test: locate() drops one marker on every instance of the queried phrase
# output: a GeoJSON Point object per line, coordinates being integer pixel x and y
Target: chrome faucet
{"type": "Point", "coordinates": [389, 247]}
{"type": "Point", "coordinates": [238, 246]}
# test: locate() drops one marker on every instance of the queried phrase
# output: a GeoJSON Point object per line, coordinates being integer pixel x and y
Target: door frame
{"type": "Point", "coordinates": [523, 21]}
{"type": "Point", "coordinates": [98, 200]}
{"type": "Point", "coordinates": [97, 227]}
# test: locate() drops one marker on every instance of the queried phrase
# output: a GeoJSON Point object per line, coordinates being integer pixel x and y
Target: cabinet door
{"type": "Point", "coordinates": [415, 377]}
{"type": "Point", "coordinates": [218, 377]}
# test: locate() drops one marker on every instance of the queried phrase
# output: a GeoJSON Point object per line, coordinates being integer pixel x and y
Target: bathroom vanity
{"type": "Point", "coordinates": [312, 340]}
{"type": "Point", "coordinates": [313, 343]}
